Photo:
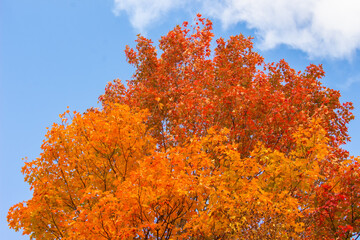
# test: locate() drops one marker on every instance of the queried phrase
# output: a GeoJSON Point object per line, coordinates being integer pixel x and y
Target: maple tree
{"type": "Point", "coordinates": [199, 145]}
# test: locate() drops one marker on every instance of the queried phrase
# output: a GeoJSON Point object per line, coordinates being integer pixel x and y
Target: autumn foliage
{"type": "Point", "coordinates": [198, 145]}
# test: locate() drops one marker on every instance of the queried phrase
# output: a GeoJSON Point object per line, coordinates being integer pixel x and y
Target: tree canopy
{"type": "Point", "coordinates": [198, 145]}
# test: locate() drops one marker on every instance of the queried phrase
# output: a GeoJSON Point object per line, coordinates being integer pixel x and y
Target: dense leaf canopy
{"type": "Point", "coordinates": [198, 145]}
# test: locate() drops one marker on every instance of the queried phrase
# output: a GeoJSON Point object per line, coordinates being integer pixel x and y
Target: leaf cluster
{"type": "Point", "coordinates": [199, 145]}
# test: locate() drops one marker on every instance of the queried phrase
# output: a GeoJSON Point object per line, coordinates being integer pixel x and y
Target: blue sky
{"type": "Point", "coordinates": [59, 53]}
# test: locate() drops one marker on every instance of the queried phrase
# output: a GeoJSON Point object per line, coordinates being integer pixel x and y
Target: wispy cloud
{"type": "Point", "coordinates": [143, 13]}
{"type": "Point", "coordinates": [322, 28]}
{"type": "Point", "coordinates": [350, 82]}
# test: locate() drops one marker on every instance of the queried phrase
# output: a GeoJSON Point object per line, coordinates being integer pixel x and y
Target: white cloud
{"type": "Point", "coordinates": [321, 28]}
{"type": "Point", "coordinates": [143, 13]}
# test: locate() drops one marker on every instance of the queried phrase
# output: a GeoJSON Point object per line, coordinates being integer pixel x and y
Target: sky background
{"type": "Point", "coordinates": [59, 53]}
